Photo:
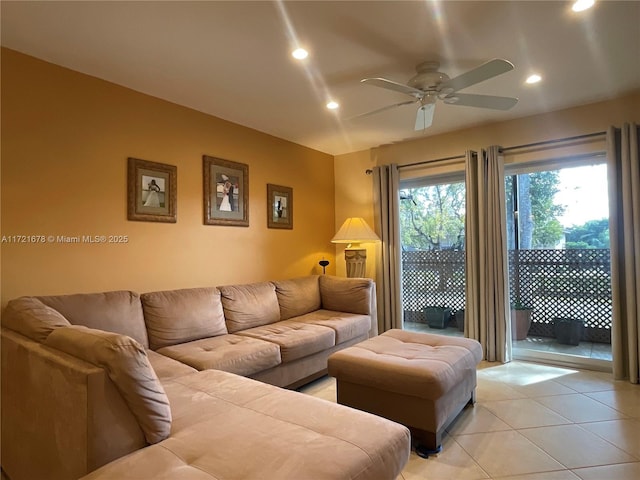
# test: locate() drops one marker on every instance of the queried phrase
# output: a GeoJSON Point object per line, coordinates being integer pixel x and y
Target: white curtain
{"type": "Point", "coordinates": [389, 267]}
{"type": "Point", "coordinates": [487, 280]}
{"type": "Point", "coordinates": [624, 231]}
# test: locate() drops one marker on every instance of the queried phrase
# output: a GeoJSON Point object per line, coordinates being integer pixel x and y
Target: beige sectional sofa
{"type": "Point", "coordinates": [163, 385]}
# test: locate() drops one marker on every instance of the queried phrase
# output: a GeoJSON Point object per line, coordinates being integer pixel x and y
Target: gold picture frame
{"type": "Point", "coordinates": [226, 192]}
{"type": "Point", "coordinates": [151, 191]}
{"type": "Point", "coordinates": [279, 206]}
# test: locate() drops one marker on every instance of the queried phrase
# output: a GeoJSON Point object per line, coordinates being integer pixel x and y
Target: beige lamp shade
{"type": "Point", "coordinates": [355, 231]}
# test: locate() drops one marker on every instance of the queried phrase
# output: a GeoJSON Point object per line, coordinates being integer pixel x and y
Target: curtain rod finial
{"type": "Point", "coordinates": [368, 171]}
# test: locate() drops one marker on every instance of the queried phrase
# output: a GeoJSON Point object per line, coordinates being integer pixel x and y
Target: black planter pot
{"type": "Point", "coordinates": [437, 317]}
{"type": "Point", "coordinates": [459, 316]}
{"type": "Point", "coordinates": [568, 330]}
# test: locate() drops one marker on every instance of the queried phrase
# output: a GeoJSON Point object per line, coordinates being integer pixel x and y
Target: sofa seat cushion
{"type": "Point", "coordinates": [296, 340]}
{"type": "Point", "coordinates": [227, 426]}
{"type": "Point", "coordinates": [346, 325]}
{"type": "Point", "coordinates": [119, 312]}
{"type": "Point", "coordinates": [250, 305]}
{"type": "Point", "coordinates": [178, 316]}
{"type": "Point", "coordinates": [167, 368]}
{"type": "Point", "coordinates": [232, 353]}
{"type": "Point", "coordinates": [298, 296]}
{"type": "Point", "coordinates": [128, 367]}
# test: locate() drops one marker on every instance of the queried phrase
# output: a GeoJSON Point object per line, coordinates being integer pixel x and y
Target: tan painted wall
{"type": "Point", "coordinates": [349, 169]}
{"type": "Point", "coordinates": [354, 198]}
{"type": "Point", "coordinates": [65, 142]}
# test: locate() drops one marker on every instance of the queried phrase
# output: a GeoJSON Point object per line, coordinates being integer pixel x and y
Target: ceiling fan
{"type": "Point", "coordinates": [429, 85]}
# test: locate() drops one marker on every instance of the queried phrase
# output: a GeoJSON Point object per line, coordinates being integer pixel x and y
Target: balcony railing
{"type": "Point", "coordinates": [573, 283]}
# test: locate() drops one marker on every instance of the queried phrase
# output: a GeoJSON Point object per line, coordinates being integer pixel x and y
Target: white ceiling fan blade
{"type": "Point", "coordinates": [378, 110]}
{"type": "Point", "coordinates": [488, 70]}
{"type": "Point", "coordinates": [391, 85]}
{"type": "Point", "coordinates": [424, 118]}
{"type": "Point", "coordinates": [481, 101]}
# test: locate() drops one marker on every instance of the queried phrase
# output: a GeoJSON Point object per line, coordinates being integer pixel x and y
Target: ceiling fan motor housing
{"type": "Point", "coordinates": [428, 77]}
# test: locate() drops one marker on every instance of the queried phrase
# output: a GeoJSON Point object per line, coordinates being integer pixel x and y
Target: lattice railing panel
{"type": "Point", "coordinates": [571, 283]}
{"type": "Point", "coordinates": [556, 283]}
{"type": "Point", "coordinates": [432, 278]}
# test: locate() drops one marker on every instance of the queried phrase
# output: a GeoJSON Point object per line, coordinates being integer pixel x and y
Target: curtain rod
{"type": "Point", "coordinates": [550, 142]}
{"type": "Point", "coordinates": [423, 162]}
{"type": "Point", "coordinates": [505, 149]}
{"type": "Point", "coordinates": [407, 165]}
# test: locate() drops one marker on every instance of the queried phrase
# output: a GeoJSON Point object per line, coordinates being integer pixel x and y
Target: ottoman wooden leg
{"type": "Point", "coordinates": [428, 443]}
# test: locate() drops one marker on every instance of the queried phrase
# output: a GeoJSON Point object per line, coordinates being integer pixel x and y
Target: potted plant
{"type": "Point", "coordinates": [568, 330]}
{"type": "Point", "coordinates": [520, 320]}
{"type": "Point", "coordinates": [437, 317]}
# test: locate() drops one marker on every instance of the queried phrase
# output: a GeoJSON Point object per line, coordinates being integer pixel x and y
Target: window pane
{"type": "Point", "coordinates": [432, 217]}
{"type": "Point", "coordinates": [432, 221]}
{"type": "Point", "coordinates": [547, 206]}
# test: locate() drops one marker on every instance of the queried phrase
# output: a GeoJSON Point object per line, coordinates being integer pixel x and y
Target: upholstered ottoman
{"type": "Point", "coordinates": [420, 380]}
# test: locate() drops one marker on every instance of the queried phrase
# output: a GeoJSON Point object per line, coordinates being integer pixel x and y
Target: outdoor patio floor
{"type": "Point", "coordinates": [597, 351]}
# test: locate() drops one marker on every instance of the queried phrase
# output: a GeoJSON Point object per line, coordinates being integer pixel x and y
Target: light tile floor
{"type": "Point", "coordinates": [534, 422]}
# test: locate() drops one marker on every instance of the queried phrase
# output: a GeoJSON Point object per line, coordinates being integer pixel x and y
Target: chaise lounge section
{"type": "Point", "coordinates": [163, 385]}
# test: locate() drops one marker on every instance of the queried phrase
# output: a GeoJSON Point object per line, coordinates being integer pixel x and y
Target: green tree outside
{"type": "Point", "coordinates": [538, 212]}
{"type": "Point", "coordinates": [547, 229]}
{"type": "Point", "coordinates": [592, 234]}
{"type": "Point", "coordinates": [432, 217]}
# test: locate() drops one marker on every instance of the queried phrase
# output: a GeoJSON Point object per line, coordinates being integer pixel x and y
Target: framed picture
{"type": "Point", "coordinates": [151, 191]}
{"type": "Point", "coordinates": [279, 206]}
{"type": "Point", "coordinates": [226, 192]}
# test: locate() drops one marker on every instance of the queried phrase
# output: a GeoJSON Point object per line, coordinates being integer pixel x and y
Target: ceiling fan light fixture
{"type": "Point", "coordinates": [429, 98]}
{"type": "Point", "coordinates": [333, 105]}
{"type": "Point", "coordinates": [299, 53]}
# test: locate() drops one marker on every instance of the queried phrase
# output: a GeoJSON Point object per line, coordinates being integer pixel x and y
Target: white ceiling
{"type": "Point", "coordinates": [232, 59]}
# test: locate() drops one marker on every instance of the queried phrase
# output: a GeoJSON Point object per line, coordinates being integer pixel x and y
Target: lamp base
{"type": "Point", "coordinates": [356, 259]}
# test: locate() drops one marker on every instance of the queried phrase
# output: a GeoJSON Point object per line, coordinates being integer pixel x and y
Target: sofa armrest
{"type": "Point", "coordinates": [61, 417]}
{"type": "Point", "coordinates": [350, 295]}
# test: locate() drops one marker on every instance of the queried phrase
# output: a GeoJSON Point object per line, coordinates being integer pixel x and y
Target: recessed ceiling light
{"type": "Point", "coordinates": [300, 53]}
{"type": "Point", "coordinates": [331, 105]}
{"type": "Point", "coordinates": [535, 78]}
{"type": "Point", "coordinates": [581, 5]}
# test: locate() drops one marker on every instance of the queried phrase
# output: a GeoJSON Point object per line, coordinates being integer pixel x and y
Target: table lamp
{"type": "Point", "coordinates": [353, 232]}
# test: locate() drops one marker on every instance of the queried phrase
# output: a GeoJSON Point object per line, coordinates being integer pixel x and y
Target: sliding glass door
{"type": "Point", "coordinates": [432, 222]}
{"type": "Point", "coordinates": [559, 269]}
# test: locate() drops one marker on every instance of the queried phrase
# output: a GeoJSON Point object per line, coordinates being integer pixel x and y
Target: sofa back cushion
{"type": "Point", "coordinates": [179, 316]}
{"type": "Point", "coordinates": [32, 318]}
{"type": "Point", "coordinates": [250, 305]}
{"type": "Point", "coordinates": [298, 296]}
{"type": "Point", "coordinates": [119, 312]}
{"type": "Point", "coordinates": [349, 295]}
{"type": "Point", "coordinates": [127, 365]}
